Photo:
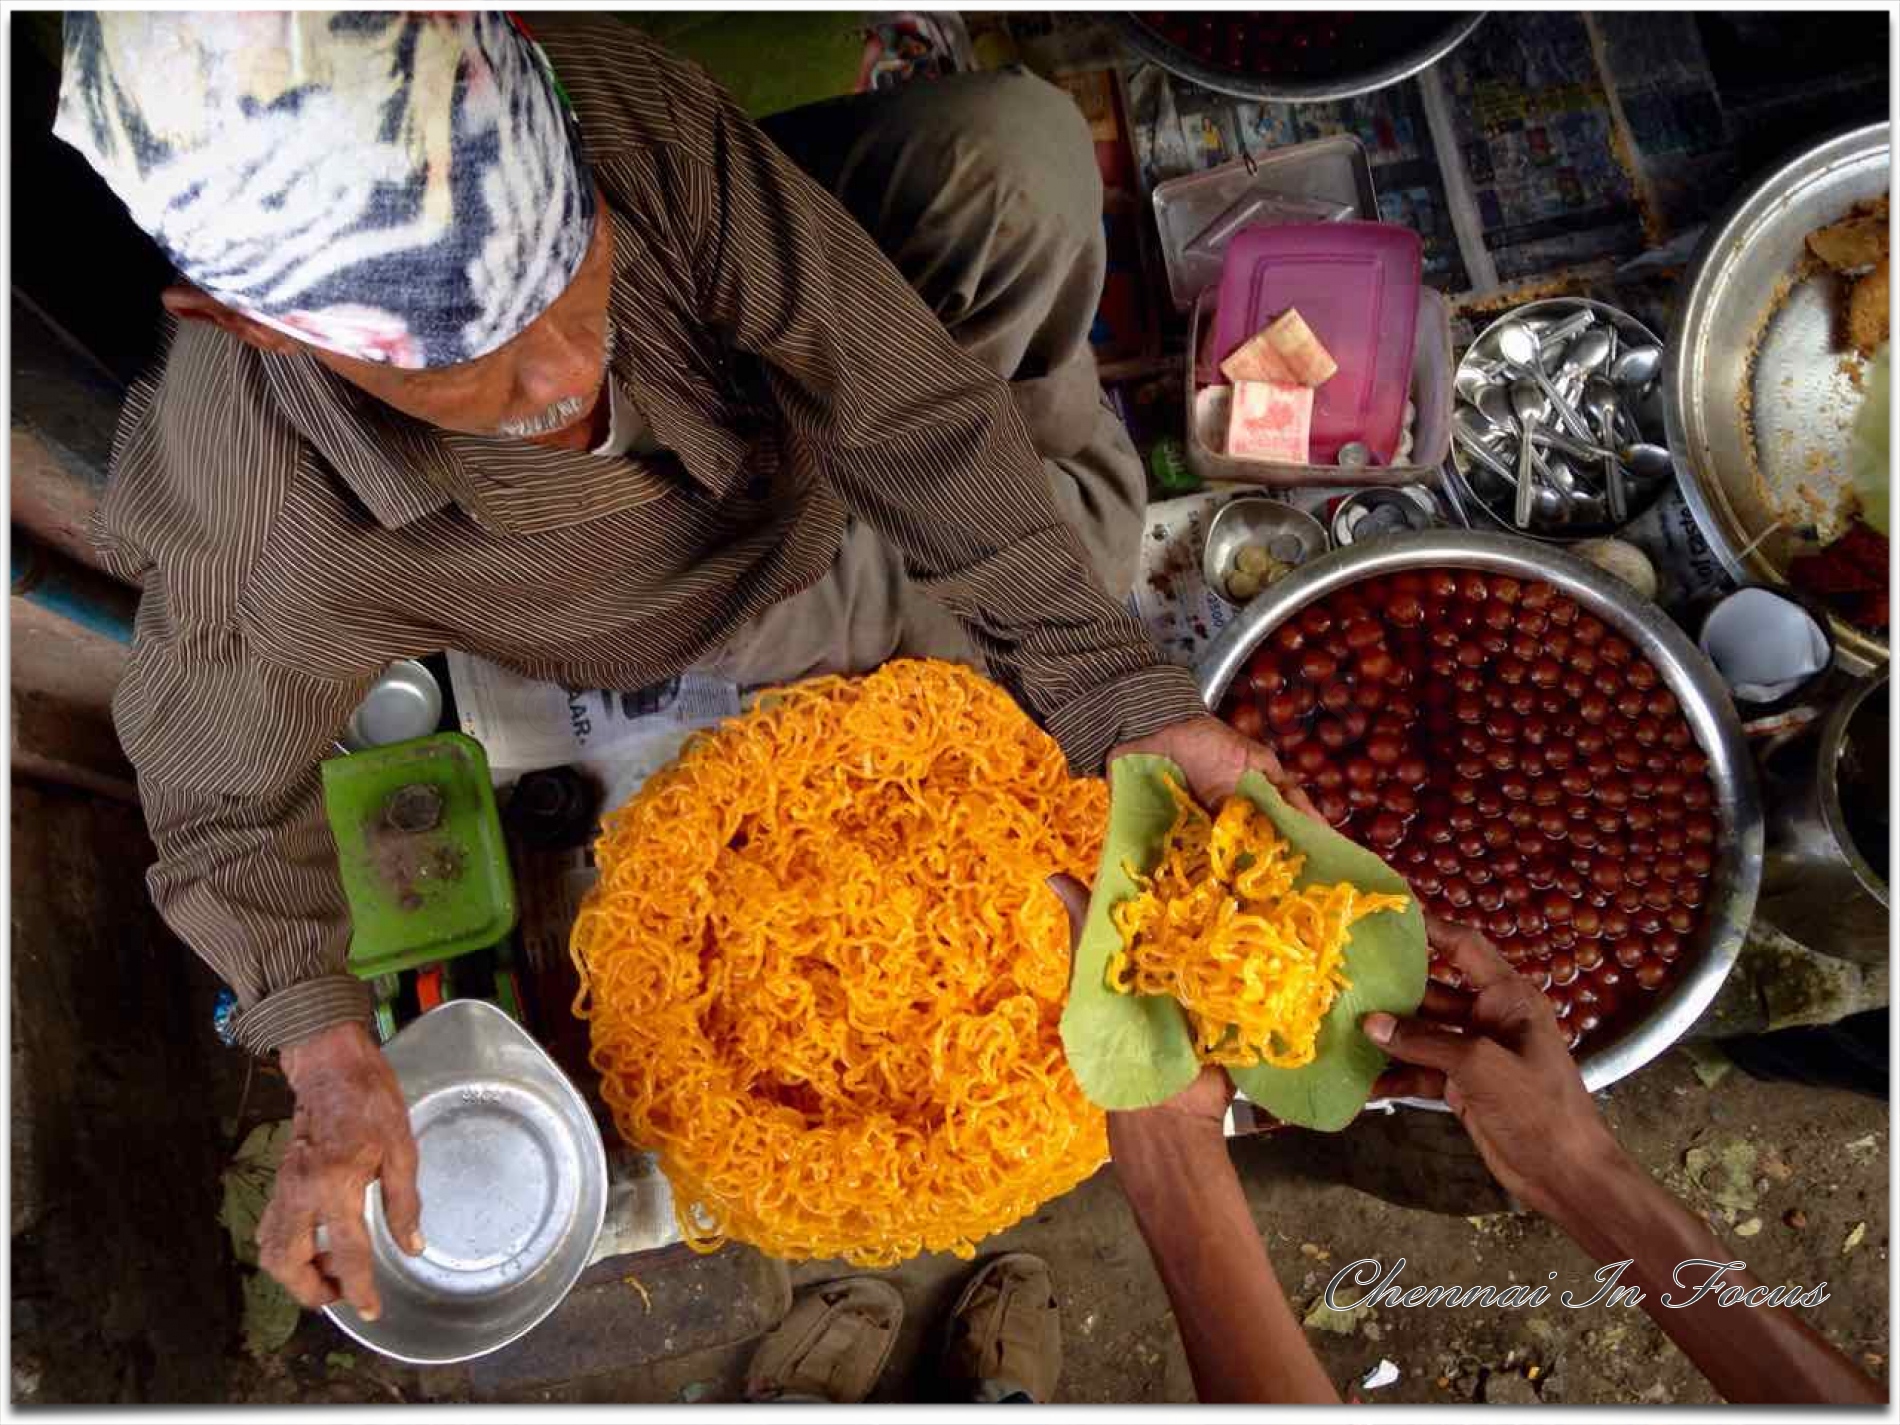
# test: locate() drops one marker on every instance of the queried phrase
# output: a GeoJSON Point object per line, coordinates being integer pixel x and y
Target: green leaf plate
{"type": "Point", "coordinates": [1130, 1051]}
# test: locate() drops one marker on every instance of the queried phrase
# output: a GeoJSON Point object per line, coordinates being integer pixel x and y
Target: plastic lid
{"type": "Point", "coordinates": [1356, 286]}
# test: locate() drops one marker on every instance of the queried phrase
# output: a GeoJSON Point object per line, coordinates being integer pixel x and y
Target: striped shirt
{"type": "Point", "coordinates": [293, 535]}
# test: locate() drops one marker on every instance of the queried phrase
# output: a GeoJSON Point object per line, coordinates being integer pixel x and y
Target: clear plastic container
{"type": "Point", "coordinates": [1333, 170]}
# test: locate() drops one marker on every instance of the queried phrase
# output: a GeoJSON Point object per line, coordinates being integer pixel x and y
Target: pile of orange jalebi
{"type": "Point", "coordinates": [1220, 928]}
{"type": "Point", "coordinates": [824, 970]}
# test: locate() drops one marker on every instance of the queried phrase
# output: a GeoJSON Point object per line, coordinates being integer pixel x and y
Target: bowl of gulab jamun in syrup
{"type": "Point", "coordinates": [1537, 748]}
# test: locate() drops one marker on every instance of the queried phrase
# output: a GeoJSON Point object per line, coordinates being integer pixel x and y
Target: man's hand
{"type": "Point", "coordinates": [351, 1126]}
{"type": "Point", "coordinates": [1498, 1059]}
{"type": "Point", "coordinates": [1196, 1114]}
{"type": "Point", "coordinates": [1213, 756]}
{"type": "Point", "coordinates": [1200, 1108]}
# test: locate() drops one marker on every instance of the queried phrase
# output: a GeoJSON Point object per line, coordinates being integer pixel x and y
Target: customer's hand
{"type": "Point", "coordinates": [350, 1127]}
{"type": "Point", "coordinates": [1198, 1112]}
{"type": "Point", "coordinates": [1213, 756]}
{"type": "Point", "coordinates": [1202, 1105]}
{"type": "Point", "coordinates": [1498, 1059]}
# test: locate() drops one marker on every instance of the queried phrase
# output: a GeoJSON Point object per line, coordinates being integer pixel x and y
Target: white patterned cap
{"type": "Point", "coordinates": [402, 188]}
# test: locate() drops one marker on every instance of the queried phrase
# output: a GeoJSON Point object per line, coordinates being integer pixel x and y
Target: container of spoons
{"type": "Point", "coordinates": [1582, 378]}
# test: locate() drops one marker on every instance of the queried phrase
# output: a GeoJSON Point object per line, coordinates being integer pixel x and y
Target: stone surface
{"type": "Point", "coordinates": [627, 1312]}
{"type": "Point", "coordinates": [121, 1289]}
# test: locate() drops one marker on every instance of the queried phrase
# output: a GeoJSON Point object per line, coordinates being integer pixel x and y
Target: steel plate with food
{"type": "Point", "coordinates": [1769, 373]}
{"type": "Point", "coordinates": [1539, 751]}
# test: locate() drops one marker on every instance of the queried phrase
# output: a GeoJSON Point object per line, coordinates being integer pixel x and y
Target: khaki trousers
{"type": "Point", "coordinates": [982, 189]}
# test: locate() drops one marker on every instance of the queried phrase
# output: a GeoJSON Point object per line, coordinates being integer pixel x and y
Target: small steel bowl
{"type": "Point", "coordinates": [405, 703]}
{"type": "Point", "coordinates": [1736, 876]}
{"type": "Point", "coordinates": [1381, 512]}
{"type": "Point", "coordinates": [1290, 535]}
{"type": "Point", "coordinates": [513, 1178]}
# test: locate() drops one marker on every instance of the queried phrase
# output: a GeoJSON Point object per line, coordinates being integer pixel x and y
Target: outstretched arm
{"type": "Point", "coordinates": [1497, 1057]}
{"type": "Point", "coordinates": [1243, 1342]}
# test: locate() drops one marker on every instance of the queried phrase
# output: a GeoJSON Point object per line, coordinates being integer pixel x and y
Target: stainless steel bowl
{"type": "Point", "coordinates": [403, 704]}
{"type": "Point", "coordinates": [1816, 871]}
{"type": "Point", "coordinates": [513, 1178]}
{"type": "Point", "coordinates": [1291, 536]}
{"type": "Point", "coordinates": [1492, 498]}
{"type": "Point", "coordinates": [1402, 52]}
{"type": "Point", "coordinates": [1736, 875]}
{"type": "Point", "coordinates": [1757, 401]}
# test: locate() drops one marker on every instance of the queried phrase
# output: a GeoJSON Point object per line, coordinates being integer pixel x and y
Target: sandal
{"type": "Point", "coordinates": [831, 1346]}
{"type": "Point", "coordinates": [1006, 1332]}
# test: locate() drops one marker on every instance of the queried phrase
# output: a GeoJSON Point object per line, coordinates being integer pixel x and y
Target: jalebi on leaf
{"type": "Point", "coordinates": [823, 969]}
{"type": "Point", "coordinates": [1223, 928]}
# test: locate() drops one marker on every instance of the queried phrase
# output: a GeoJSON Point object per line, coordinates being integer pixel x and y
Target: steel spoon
{"type": "Point", "coordinates": [1480, 428]}
{"type": "Point", "coordinates": [1580, 503]}
{"type": "Point", "coordinates": [1531, 407]}
{"type": "Point", "coordinates": [1495, 406]}
{"type": "Point", "coordinates": [1471, 383]}
{"type": "Point", "coordinates": [1585, 355]}
{"type": "Point", "coordinates": [1547, 508]}
{"type": "Point", "coordinates": [1518, 345]}
{"type": "Point", "coordinates": [1637, 368]}
{"type": "Point", "coordinates": [1478, 450]}
{"type": "Point", "coordinates": [1551, 335]}
{"type": "Point", "coordinates": [1647, 462]}
{"type": "Point", "coordinates": [1639, 458]}
{"type": "Point", "coordinates": [1600, 401]}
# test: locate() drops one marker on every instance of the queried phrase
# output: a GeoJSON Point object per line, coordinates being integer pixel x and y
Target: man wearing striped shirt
{"type": "Point", "coordinates": [589, 376]}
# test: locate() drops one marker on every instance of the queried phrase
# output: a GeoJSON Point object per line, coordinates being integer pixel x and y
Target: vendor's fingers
{"type": "Point", "coordinates": [402, 1204]}
{"type": "Point", "coordinates": [348, 1261]}
{"type": "Point", "coordinates": [1418, 1041]}
{"type": "Point", "coordinates": [1075, 900]}
{"type": "Point", "coordinates": [1297, 798]}
{"type": "Point", "coordinates": [1262, 760]}
{"type": "Point", "coordinates": [1409, 1081]}
{"type": "Point", "coordinates": [1445, 1004]}
{"type": "Point", "coordinates": [287, 1249]}
{"type": "Point", "coordinates": [1469, 951]}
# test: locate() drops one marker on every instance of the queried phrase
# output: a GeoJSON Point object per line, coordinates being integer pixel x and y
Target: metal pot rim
{"type": "Point", "coordinates": [1833, 738]}
{"type": "Point", "coordinates": [1697, 686]}
{"type": "Point", "coordinates": [1857, 651]}
{"type": "Point", "coordinates": [1455, 30]}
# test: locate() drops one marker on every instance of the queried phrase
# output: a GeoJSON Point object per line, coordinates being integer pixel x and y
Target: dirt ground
{"type": "Point", "coordinates": [1795, 1177]}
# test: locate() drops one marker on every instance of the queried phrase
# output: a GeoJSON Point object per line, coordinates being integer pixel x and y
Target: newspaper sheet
{"type": "Point", "coordinates": [620, 737]}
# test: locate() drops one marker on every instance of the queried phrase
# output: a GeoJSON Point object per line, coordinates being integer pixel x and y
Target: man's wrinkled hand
{"type": "Point", "coordinates": [1497, 1057]}
{"type": "Point", "coordinates": [1213, 756]}
{"type": "Point", "coordinates": [350, 1128]}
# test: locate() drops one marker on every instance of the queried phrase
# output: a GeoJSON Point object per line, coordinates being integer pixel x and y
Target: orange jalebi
{"type": "Point", "coordinates": [1219, 927]}
{"type": "Point", "coordinates": [824, 970]}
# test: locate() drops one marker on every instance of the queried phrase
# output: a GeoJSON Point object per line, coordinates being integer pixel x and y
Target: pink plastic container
{"type": "Point", "coordinates": [1356, 285]}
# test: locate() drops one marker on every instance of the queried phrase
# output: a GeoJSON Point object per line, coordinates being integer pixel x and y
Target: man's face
{"type": "Point", "coordinates": [545, 386]}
